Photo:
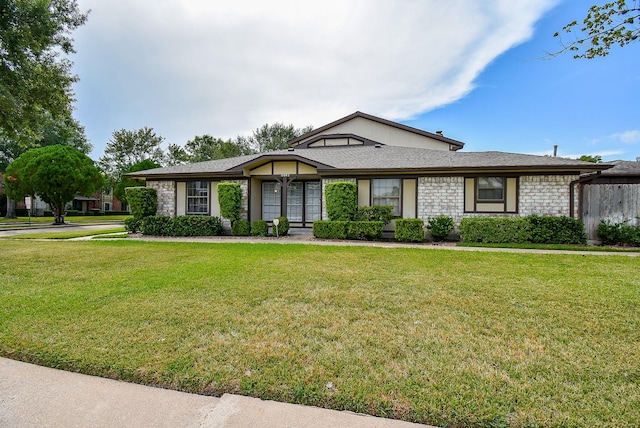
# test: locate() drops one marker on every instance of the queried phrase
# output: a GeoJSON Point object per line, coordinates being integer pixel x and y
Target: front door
{"type": "Point", "coordinates": [304, 201]}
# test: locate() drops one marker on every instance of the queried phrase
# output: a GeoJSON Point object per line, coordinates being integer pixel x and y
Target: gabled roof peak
{"type": "Point", "coordinates": [454, 144]}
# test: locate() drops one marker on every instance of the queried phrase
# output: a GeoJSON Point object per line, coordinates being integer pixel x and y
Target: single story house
{"type": "Point", "coordinates": [420, 174]}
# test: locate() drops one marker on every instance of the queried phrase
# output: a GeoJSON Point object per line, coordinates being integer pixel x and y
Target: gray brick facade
{"type": "Point", "coordinates": [166, 196]}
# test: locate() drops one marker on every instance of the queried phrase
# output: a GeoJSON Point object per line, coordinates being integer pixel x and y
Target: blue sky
{"type": "Point", "coordinates": [469, 68]}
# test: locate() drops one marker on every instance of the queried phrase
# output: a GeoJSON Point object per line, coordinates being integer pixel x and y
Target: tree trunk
{"type": "Point", "coordinates": [58, 213]}
{"type": "Point", "coordinates": [11, 209]}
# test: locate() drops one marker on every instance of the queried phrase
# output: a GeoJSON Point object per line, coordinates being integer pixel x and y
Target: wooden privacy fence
{"type": "Point", "coordinates": [616, 202]}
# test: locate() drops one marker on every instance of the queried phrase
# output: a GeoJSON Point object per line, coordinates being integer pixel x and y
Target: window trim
{"type": "Point", "coordinates": [207, 197]}
{"type": "Point", "coordinates": [511, 190]}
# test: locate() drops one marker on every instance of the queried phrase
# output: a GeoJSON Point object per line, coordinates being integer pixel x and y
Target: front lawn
{"type": "Point", "coordinates": [65, 234]}
{"type": "Point", "coordinates": [447, 338]}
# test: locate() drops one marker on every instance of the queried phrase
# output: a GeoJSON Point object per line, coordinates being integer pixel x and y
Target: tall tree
{"type": "Point", "coordinates": [268, 138]}
{"type": "Point", "coordinates": [119, 190]}
{"type": "Point", "coordinates": [35, 73]}
{"type": "Point", "coordinates": [176, 155]}
{"type": "Point", "coordinates": [605, 26]}
{"type": "Point", "coordinates": [127, 148]}
{"type": "Point", "coordinates": [205, 147]}
{"type": "Point", "coordinates": [56, 174]}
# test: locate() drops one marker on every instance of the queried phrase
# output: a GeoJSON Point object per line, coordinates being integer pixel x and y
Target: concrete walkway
{"type": "Point", "coordinates": [34, 396]}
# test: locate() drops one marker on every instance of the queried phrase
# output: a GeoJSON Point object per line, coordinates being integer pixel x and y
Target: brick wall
{"type": "Point", "coordinates": [441, 195]}
{"type": "Point", "coordinates": [537, 194]}
{"type": "Point", "coordinates": [166, 196]}
{"type": "Point", "coordinates": [545, 194]}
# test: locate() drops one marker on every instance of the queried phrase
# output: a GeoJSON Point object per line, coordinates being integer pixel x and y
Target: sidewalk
{"type": "Point", "coordinates": [34, 396]}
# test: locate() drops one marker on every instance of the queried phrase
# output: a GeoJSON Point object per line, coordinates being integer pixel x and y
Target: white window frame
{"type": "Point", "coordinates": [380, 195]}
{"type": "Point", "coordinates": [197, 197]}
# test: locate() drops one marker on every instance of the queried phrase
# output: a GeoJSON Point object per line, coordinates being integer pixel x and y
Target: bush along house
{"type": "Point", "coordinates": [420, 174]}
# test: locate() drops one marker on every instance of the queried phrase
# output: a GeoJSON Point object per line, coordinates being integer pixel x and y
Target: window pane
{"type": "Point", "coordinates": [490, 188]}
{"type": "Point", "coordinates": [386, 192]}
{"type": "Point", "coordinates": [313, 201]}
{"type": "Point", "coordinates": [270, 200]}
{"type": "Point", "coordinates": [294, 201]}
{"type": "Point", "coordinates": [197, 197]}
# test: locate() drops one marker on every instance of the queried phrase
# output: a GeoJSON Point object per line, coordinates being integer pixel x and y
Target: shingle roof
{"type": "Point", "coordinates": [386, 158]}
{"type": "Point", "coordinates": [624, 168]}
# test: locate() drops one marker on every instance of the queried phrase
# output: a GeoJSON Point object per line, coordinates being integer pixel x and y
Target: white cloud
{"type": "Point", "coordinates": [628, 137]}
{"type": "Point", "coordinates": [225, 68]}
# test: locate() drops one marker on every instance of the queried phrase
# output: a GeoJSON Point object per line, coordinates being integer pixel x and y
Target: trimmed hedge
{"type": "Point", "coordinates": [185, 225]}
{"type": "Point", "coordinates": [363, 230]}
{"type": "Point", "coordinates": [143, 201]}
{"type": "Point", "coordinates": [531, 229]}
{"type": "Point", "coordinates": [327, 229]}
{"type": "Point", "coordinates": [260, 228]}
{"type": "Point", "coordinates": [409, 230]}
{"type": "Point", "coordinates": [342, 200]}
{"type": "Point", "coordinates": [241, 228]}
{"type": "Point", "coordinates": [618, 233]}
{"type": "Point", "coordinates": [495, 230]}
{"type": "Point", "coordinates": [375, 213]}
{"type": "Point", "coordinates": [230, 200]}
{"type": "Point", "coordinates": [132, 225]}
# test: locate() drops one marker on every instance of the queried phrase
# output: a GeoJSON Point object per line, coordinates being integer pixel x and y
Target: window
{"type": "Point", "coordinates": [386, 192]}
{"type": "Point", "coordinates": [270, 200]}
{"type": "Point", "coordinates": [313, 198]}
{"type": "Point", "coordinates": [294, 201]}
{"type": "Point", "coordinates": [490, 189]}
{"type": "Point", "coordinates": [197, 197]}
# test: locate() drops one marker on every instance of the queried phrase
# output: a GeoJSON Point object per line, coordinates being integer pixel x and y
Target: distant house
{"type": "Point", "coordinates": [419, 173]}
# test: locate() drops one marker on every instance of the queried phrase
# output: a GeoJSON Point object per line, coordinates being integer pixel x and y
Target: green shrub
{"type": "Point", "coordinates": [531, 229]}
{"type": "Point", "coordinates": [186, 225]}
{"type": "Point", "coordinates": [365, 230]}
{"type": "Point", "coordinates": [556, 230]}
{"type": "Point", "coordinates": [409, 230]}
{"type": "Point", "coordinates": [143, 201]}
{"type": "Point", "coordinates": [241, 228]}
{"type": "Point", "coordinates": [440, 227]}
{"type": "Point", "coordinates": [342, 200]}
{"type": "Point", "coordinates": [196, 225]}
{"type": "Point", "coordinates": [609, 233]}
{"type": "Point", "coordinates": [495, 230]}
{"type": "Point", "coordinates": [230, 200]}
{"type": "Point", "coordinates": [72, 213]}
{"type": "Point", "coordinates": [327, 229]}
{"type": "Point", "coordinates": [132, 224]}
{"type": "Point", "coordinates": [375, 213]}
{"type": "Point", "coordinates": [283, 226]}
{"type": "Point", "coordinates": [155, 225]}
{"type": "Point", "coordinates": [259, 228]}
{"type": "Point", "coordinates": [618, 233]}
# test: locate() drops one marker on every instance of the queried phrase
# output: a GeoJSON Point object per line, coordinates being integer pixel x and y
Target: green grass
{"type": "Point", "coordinates": [563, 247]}
{"type": "Point", "coordinates": [449, 338]}
{"type": "Point", "coordinates": [65, 234]}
